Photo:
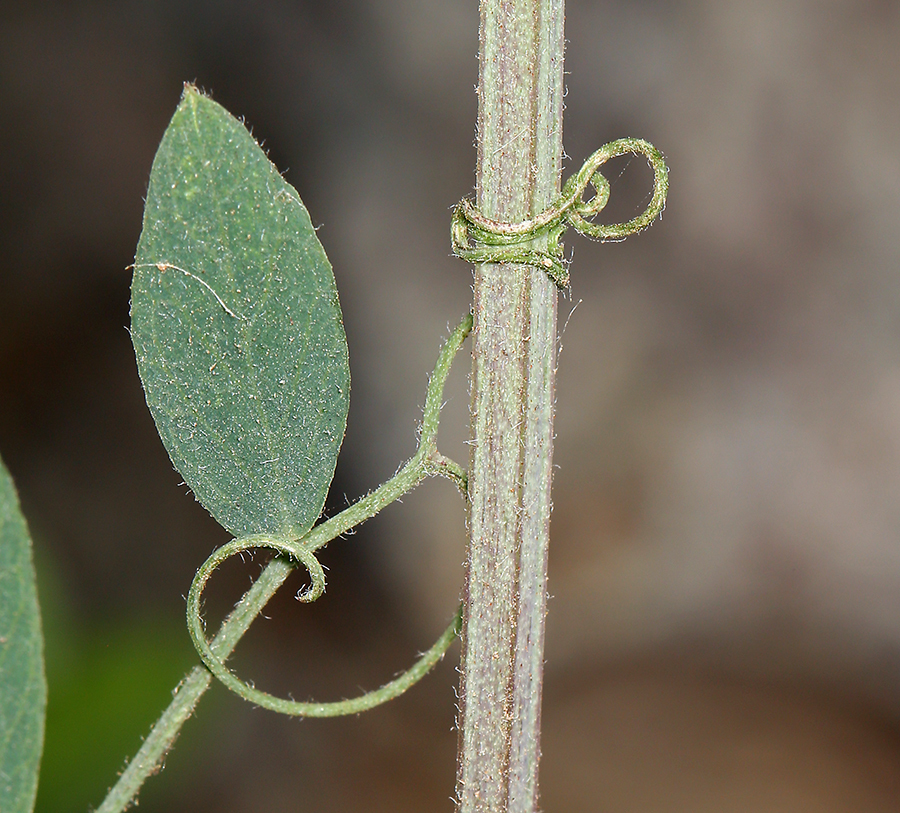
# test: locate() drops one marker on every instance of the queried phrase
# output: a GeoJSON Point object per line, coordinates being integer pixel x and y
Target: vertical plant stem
{"type": "Point", "coordinates": [514, 357]}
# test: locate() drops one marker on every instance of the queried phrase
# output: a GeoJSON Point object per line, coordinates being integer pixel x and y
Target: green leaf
{"type": "Point", "coordinates": [23, 690]}
{"type": "Point", "coordinates": [237, 328]}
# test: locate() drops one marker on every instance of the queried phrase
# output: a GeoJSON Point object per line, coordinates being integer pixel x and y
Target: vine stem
{"type": "Point", "coordinates": [520, 95]}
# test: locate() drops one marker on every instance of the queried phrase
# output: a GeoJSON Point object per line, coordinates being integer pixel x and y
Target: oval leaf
{"type": "Point", "coordinates": [23, 690]}
{"type": "Point", "coordinates": [237, 328]}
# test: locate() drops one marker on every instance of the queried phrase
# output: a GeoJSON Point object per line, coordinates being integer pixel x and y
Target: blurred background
{"type": "Point", "coordinates": [724, 632]}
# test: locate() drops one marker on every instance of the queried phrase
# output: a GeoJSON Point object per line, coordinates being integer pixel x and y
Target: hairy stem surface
{"type": "Point", "coordinates": [519, 160]}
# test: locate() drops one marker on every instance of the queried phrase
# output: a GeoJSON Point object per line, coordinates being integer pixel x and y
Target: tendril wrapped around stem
{"type": "Point", "coordinates": [536, 241]}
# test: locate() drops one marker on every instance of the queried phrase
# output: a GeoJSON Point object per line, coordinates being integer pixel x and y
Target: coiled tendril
{"type": "Point", "coordinates": [536, 241]}
{"type": "Point", "coordinates": [427, 461]}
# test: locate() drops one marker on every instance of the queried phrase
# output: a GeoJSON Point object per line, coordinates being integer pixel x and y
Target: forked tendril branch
{"type": "Point", "coordinates": [536, 241]}
{"type": "Point", "coordinates": [425, 462]}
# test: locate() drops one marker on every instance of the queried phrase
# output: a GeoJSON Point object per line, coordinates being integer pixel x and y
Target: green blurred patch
{"type": "Point", "coordinates": [107, 685]}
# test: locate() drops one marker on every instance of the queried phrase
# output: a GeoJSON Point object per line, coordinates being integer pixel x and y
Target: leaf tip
{"type": "Point", "coordinates": [190, 89]}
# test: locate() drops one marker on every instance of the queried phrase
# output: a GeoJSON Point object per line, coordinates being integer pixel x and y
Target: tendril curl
{"type": "Point", "coordinates": [536, 241]}
{"type": "Point", "coordinates": [426, 462]}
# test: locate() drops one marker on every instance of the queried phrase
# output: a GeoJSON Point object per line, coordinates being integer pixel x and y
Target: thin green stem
{"type": "Point", "coordinates": [148, 759]}
{"type": "Point", "coordinates": [426, 461]}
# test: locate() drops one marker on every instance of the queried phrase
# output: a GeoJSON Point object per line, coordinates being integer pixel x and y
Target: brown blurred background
{"type": "Point", "coordinates": [724, 632]}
